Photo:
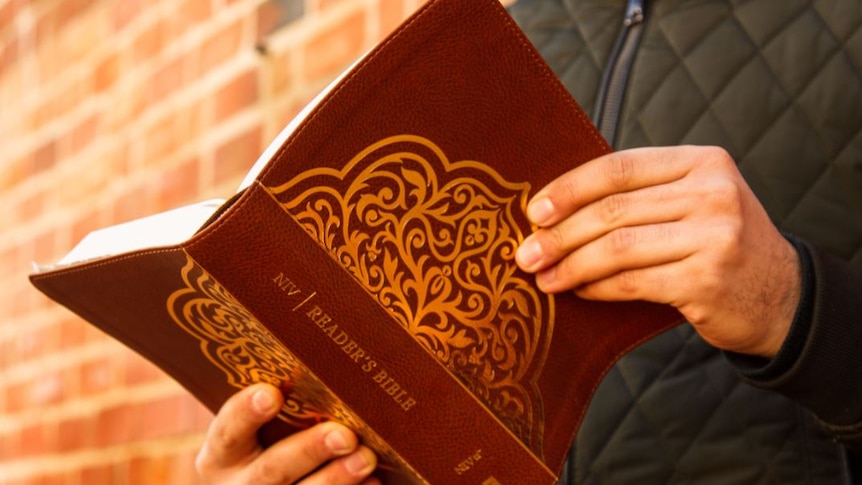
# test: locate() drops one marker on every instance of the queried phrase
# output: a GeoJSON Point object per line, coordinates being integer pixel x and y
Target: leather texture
{"type": "Point", "coordinates": [724, 73]}
{"type": "Point", "coordinates": [392, 210]}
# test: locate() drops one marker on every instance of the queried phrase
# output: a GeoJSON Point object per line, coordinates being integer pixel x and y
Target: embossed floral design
{"type": "Point", "coordinates": [434, 242]}
{"type": "Point", "coordinates": [233, 340]}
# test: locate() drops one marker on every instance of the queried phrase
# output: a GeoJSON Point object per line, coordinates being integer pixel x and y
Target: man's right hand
{"type": "Point", "coordinates": [328, 453]}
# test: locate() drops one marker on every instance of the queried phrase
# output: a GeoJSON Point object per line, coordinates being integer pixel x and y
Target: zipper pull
{"type": "Point", "coordinates": [634, 13]}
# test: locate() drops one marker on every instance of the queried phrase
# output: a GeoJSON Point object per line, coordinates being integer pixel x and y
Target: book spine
{"type": "Point", "coordinates": [354, 346]}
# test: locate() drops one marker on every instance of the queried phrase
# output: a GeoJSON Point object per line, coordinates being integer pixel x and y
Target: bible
{"type": "Point", "coordinates": [366, 266]}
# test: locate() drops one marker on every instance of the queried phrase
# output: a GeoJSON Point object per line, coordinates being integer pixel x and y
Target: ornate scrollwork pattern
{"type": "Point", "coordinates": [434, 242]}
{"type": "Point", "coordinates": [235, 342]}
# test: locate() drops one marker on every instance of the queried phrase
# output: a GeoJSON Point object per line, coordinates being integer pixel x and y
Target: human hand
{"type": "Point", "coordinates": [231, 454]}
{"type": "Point", "coordinates": [674, 225]}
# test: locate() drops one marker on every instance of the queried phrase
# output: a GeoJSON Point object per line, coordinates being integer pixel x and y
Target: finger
{"type": "Point", "coordinates": [232, 436]}
{"type": "Point", "coordinates": [653, 284]}
{"type": "Point", "coordinates": [299, 454]}
{"type": "Point", "coordinates": [620, 250]}
{"type": "Point", "coordinates": [657, 204]}
{"type": "Point", "coordinates": [348, 470]}
{"type": "Point", "coordinates": [610, 174]}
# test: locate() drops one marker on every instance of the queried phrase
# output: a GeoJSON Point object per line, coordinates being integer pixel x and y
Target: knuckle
{"type": "Point", "coordinates": [622, 240]}
{"type": "Point", "coordinates": [620, 170]}
{"type": "Point", "coordinates": [568, 187]}
{"type": "Point", "coordinates": [726, 195]}
{"type": "Point", "coordinates": [612, 209]}
{"type": "Point", "coordinates": [267, 472]}
{"type": "Point", "coordinates": [628, 283]}
{"type": "Point", "coordinates": [222, 436]}
{"type": "Point", "coordinates": [553, 239]}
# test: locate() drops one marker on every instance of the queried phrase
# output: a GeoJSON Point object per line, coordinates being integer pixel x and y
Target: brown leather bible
{"type": "Point", "coordinates": [368, 269]}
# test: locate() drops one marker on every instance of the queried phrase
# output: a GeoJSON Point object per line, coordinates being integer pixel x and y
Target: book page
{"type": "Point", "coordinates": [162, 229]}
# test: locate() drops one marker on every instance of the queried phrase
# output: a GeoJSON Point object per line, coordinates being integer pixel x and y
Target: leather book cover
{"type": "Point", "coordinates": [369, 269]}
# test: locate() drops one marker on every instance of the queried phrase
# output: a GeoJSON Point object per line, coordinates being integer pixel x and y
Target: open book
{"type": "Point", "coordinates": [367, 265]}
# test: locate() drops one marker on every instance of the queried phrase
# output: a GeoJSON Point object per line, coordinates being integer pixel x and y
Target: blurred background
{"type": "Point", "coordinates": [112, 110]}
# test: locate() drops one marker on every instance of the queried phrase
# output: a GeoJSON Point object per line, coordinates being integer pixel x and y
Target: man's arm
{"type": "Point", "coordinates": [819, 363]}
{"type": "Point", "coordinates": [680, 226]}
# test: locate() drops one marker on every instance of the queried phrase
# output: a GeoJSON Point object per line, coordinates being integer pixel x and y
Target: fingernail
{"type": "Point", "coordinates": [337, 442]}
{"type": "Point", "coordinates": [358, 463]}
{"type": "Point", "coordinates": [263, 402]}
{"type": "Point", "coordinates": [545, 280]}
{"type": "Point", "coordinates": [540, 211]}
{"type": "Point", "coordinates": [529, 253]}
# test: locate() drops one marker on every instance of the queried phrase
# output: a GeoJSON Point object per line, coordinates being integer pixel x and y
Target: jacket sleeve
{"type": "Point", "coordinates": [820, 364]}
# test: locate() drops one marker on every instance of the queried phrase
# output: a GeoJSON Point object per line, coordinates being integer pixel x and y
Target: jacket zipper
{"type": "Point", "coordinates": [614, 79]}
{"type": "Point", "coordinates": [607, 113]}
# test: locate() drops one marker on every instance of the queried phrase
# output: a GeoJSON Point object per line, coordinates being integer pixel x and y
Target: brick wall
{"type": "Point", "coordinates": [111, 110]}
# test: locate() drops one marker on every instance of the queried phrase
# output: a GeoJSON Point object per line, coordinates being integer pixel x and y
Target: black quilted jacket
{"type": "Point", "coordinates": [777, 83]}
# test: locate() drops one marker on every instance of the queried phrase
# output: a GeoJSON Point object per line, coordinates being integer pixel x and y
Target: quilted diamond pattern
{"type": "Point", "coordinates": [767, 81]}
{"type": "Point", "coordinates": [675, 407]}
{"type": "Point", "coordinates": [575, 38]}
{"type": "Point", "coordinates": [782, 94]}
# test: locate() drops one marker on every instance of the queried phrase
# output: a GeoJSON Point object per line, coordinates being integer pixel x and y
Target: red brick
{"type": "Point", "coordinates": [167, 416]}
{"type": "Point", "coordinates": [166, 81]}
{"type": "Point", "coordinates": [138, 370]}
{"type": "Point", "coordinates": [318, 5]}
{"type": "Point", "coordinates": [151, 469]}
{"type": "Point", "coordinates": [10, 445]}
{"type": "Point", "coordinates": [93, 218]}
{"type": "Point", "coordinates": [31, 206]}
{"type": "Point", "coordinates": [36, 439]}
{"type": "Point", "coordinates": [33, 343]}
{"type": "Point", "coordinates": [75, 434]}
{"type": "Point", "coordinates": [69, 10]}
{"type": "Point", "coordinates": [132, 204]}
{"type": "Point", "coordinates": [129, 101]}
{"type": "Point", "coordinates": [45, 27]}
{"type": "Point", "coordinates": [148, 43]}
{"type": "Point", "coordinates": [236, 156]}
{"type": "Point", "coordinates": [179, 185]}
{"type": "Point", "coordinates": [113, 425]}
{"type": "Point", "coordinates": [8, 54]}
{"type": "Point", "coordinates": [99, 375]}
{"type": "Point", "coordinates": [79, 136]}
{"type": "Point", "coordinates": [92, 179]}
{"type": "Point", "coordinates": [165, 136]}
{"type": "Point", "coordinates": [238, 94]}
{"type": "Point", "coordinates": [105, 474]}
{"type": "Point", "coordinates": [123, 12]}
{"type": "Point", "coordinates": [45, 156]}
{"type": "Point", "coordinates": [45, 246]}
{"type": "Point", "coordinates": [187, 15]}
{"type": "Point", "coordinates": [333, 49]}
{"type": "Point", "coordinates": [49, 388]}
{"type": "Point", "coordinates": [106, 73]}
{"type": "Point", "coordinates": [76, 39]}
{"type": "Point", "coordinates": [221, 46]}
{"type": "Point", "coordinates": [72, 332]}
{"type": "Point", "coordinates": [15, 171]}
{"type": "Point", "coordinates": [392, 13]}
{"type": "Point", "coordinates": [8, 12]}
